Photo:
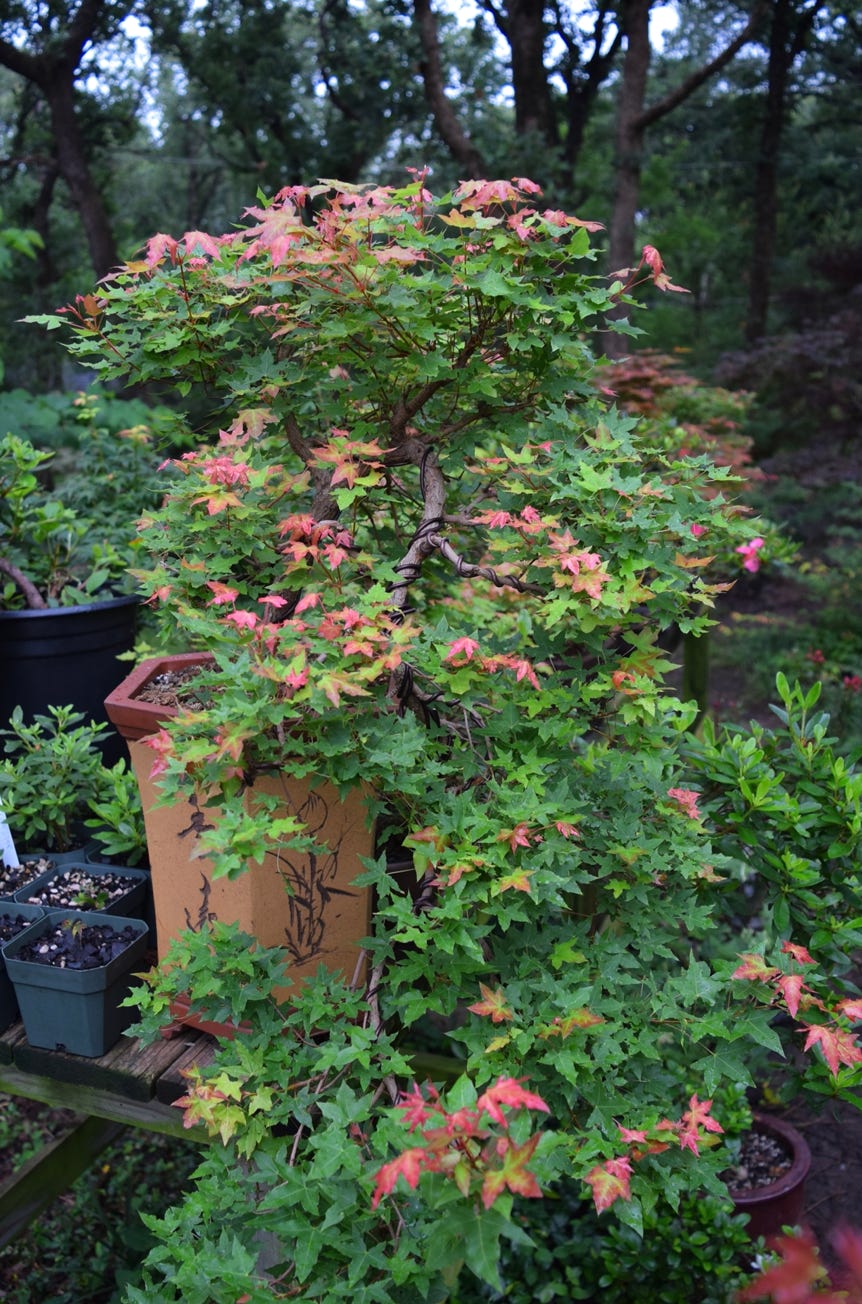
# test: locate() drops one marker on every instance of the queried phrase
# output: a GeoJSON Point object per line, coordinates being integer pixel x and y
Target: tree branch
{"type": "Point", "coordinates": [690, 84]}
{"type": "Point", "coordinates": [32, 596]}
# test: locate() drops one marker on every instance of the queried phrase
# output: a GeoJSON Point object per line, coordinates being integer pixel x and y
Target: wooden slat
{"type": "Point", "coordinates": [171, 1085]}
{"type": "Point", "coordinates": [56, 1166]}
{"type": "Point", "coordinates": [11, 1038]}
{"type": "Point", "coordinates": [151, 1114]}
{"type": "Point", "coordinates": [128, 1069]}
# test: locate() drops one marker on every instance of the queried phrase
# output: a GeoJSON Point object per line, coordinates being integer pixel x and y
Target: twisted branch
{"type": "Point", "coordinates": [32, 596]}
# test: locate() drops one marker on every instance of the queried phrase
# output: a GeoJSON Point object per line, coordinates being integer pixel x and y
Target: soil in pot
{"type": "Point", "coordinates": [71, 944]}
{"type": "Point", "coordinates": [13, 920]}
{"type": "Point", "coordinates": [15, 877]}
{"type": "Point", "coordinates": [174, 689]}
{"type": "Point", "coordinates": [12, 923]}
{"type": "Point", "coordinates": [767, 1182]}
{"type": "Point", "coordinates": [78, 889]}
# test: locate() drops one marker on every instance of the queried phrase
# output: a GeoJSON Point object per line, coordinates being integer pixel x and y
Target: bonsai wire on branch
{"type": "Point", "coordinates": [430, 562]}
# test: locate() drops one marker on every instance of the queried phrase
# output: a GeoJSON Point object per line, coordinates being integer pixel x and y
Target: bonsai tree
{"type": "Point", "coordinates": [428, 558]}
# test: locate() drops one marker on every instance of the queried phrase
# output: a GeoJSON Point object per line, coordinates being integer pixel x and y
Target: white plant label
{"type": "Point", "coordinates": [7, 847]}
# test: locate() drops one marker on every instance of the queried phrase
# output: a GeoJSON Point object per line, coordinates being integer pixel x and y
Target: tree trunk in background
{"type": "Point", "coordinates": [75, 171]}
{"type": "Point", "coordinates": [788, 34]}
{"type": "Point", "coordinates": [633, 120]}
{"type": "Point", "coordinates": [454, 136]}
{"type": "Point", "coordinates": [522, 23]}
{"type": "Point", "coordinates": [54, 71]}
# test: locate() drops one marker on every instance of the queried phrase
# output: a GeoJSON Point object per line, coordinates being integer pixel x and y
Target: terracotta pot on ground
{"type": "Point", "coordinates": [305, 903]}
{"type": "Point", "coordinates": [780, 1203]}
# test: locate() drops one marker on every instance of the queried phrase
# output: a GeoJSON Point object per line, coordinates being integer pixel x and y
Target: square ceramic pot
{"type": "Point", "coordinates": [305, 903]}
{"type": "Point", "coordinates": [74, 1010]}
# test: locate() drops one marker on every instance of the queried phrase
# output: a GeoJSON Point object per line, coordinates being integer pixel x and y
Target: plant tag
{"type": "Point", "coordinates": [8, 854]}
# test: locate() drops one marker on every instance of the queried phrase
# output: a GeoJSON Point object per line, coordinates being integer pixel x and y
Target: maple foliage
{"type": "Point", "coordinates": [801, 1278]}
{"type": "Point", "coordinates": [429, 560]}
{"type": "Point", "coordinates": [463, 1145]}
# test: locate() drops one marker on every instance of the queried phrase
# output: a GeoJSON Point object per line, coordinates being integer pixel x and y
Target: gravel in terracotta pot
{"type": "Point", "coordinates": [768, 1180]}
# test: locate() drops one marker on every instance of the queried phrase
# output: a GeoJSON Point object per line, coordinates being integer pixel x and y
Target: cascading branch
{"type": "Point", "coordinates": [429, 557]}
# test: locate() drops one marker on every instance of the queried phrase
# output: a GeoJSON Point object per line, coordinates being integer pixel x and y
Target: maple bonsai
{"type": "Point", "coordinates": [429, 558]}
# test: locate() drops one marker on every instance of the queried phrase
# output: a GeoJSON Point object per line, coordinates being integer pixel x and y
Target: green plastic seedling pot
{"type": "Point", "coordinates": [8, 1001]}
{"type": "Point", "coordinates": [131, 903]}
{"type": "Point", "coordinates": [75, 1010]}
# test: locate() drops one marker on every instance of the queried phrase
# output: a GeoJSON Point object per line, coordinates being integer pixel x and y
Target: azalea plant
{"type": "Point", "coordinates": [430, 559]}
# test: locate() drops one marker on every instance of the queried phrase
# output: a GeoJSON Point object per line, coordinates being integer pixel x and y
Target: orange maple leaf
{"type": "Point", "coordinates": [610, 1181]}
{"type": "Point", "coordinates": [492, 1004]}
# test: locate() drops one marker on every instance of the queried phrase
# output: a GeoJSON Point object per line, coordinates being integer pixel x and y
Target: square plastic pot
{"type": "Point", "coordinates": [74, 1010]}
{"type": "Point", "coordinates": [131, 902]}
{"type": "Point", "coordinates": [8, 1000]}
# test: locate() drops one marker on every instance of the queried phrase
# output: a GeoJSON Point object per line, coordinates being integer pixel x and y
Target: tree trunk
{"type": "Point", "coordinates": [633, 120]}
{"type": "Point", "coordinates": [75, 171]}
{"type": "Point", "coordinates": [525, 32]}
{"type": "Point", "coordinates": [53, 70]}
{"type": "Point", "coordinates": [787, 39]}
{"type": "Point", "coordinates": [628, 147]}
{"type": "Point", "coordinates": [454, 136]}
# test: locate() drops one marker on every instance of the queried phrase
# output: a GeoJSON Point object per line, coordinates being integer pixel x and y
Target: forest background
{"type": "Point", "coordinates": [729, 135]}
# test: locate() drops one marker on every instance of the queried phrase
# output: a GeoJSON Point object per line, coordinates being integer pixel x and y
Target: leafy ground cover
{"type": "Point", "coordinates": [89, 1242]}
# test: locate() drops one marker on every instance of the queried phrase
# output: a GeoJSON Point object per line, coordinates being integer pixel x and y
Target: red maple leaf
{"type": "Point", "coordinates": [513, 1174]}
{"type": "Point", "coordinates": [790, 986]}
{"type": "Point", "coordinates": [851, 1009]}
{"type": "Point", "coordinates": [695, 1117]}
{"type": "Point", "coordinates": [610, 1181]}
{"type": "Point", "coordinates": [838, 1047]}
{"type": "Point", "coordinates": [416, 1108]}
{"type": "Point", "coordinates": [788, 1282]}
{"type": "Point", "coordinates": [508, 1091]}
{"type": "Point", "coordinates": [755, 967]}
{"type": "Point", "coordinates": [408, 1165]}
{"type": "Point", "coordinates": [799, 953]}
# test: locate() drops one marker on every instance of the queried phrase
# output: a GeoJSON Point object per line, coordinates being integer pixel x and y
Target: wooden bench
{"type": "Point", "coordinates": [132, 1086]}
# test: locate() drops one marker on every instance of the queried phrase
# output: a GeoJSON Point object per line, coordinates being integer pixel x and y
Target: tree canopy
{"type": "Point", "coordinates": [729, 138]}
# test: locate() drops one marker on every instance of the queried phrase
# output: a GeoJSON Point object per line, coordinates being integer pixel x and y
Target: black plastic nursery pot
{"type": "Point", "coordinates": [61, 879]}
{"type": "Point", "coordinates": [10, 916]}
{"type": "Point", "coordinates": [64, 656]}
{"type": "Point", "coordinates": [75, 1010]}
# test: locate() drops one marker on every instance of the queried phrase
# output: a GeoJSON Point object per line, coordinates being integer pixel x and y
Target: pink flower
{"type": "Point", "coordinates": [749, 551]}
{"type": "Point", "coordinates": [853, 682]}
{"type": "Point", "coordinates": [698, 531]}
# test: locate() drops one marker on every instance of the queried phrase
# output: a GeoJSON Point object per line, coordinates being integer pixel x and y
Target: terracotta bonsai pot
{"type": "Point", "coordinates": [779, 1204]}
{"type": "Point", "coordinates": [305, 903]}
